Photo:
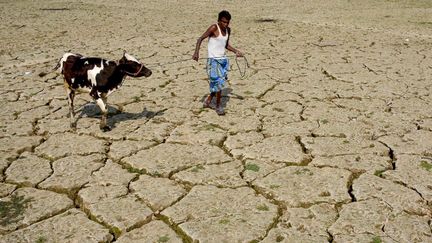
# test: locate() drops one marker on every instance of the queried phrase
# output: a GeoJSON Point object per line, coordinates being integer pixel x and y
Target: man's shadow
{"type": "Point", "coordinates": [115, 115]}
{"type": "Point", "coordinates": [227, 93]}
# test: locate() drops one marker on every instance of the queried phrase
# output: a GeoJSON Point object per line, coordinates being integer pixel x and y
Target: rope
{"type": "Point", "coordinates": [242, 73]}
{"type": "Point", "coordinates": [246, 66]}
{"type": "Point", "coordinates": [166, 63]}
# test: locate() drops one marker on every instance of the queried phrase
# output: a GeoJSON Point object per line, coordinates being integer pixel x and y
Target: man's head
{"type": "Point", "coordinates": [224, 18]}
{"type": "Point", "coordinates": [224, 14]}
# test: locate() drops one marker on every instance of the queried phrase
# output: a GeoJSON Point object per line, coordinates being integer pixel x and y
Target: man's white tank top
{"type": "Point", "coordinates": [216, 45]}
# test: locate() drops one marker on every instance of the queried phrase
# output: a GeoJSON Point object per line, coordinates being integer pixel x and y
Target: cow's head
{"type": "Point", "coordinates": [132, 67]}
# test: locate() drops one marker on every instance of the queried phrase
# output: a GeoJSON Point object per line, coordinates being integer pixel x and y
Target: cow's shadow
{"type": "Point", "coordinates": [115, 116]}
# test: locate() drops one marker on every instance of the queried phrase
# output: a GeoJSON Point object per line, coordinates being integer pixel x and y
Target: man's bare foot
{"type": "Point", "coordinates": [206, 104]}
{"type": "Point", "coordinates": [220, 111]}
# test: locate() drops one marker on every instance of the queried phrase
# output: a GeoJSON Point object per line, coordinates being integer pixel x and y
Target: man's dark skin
{"type": "Point", "coordinates": [213, 31]}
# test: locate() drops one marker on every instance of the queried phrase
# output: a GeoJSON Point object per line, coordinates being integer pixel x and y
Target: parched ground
{"type": "Point", "coordinates": [328, 137]}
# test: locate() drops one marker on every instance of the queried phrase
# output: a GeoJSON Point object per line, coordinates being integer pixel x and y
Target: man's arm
{"type": "Point", "coordinates": [230, 48]}
{"type": "Point", "coordinates": [237, 52]}
{"type": "Point", "coordinates": [204, 36]}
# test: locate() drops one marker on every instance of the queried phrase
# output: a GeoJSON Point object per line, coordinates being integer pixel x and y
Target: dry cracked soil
{"type": "Point", "coordinates": [327, 138]}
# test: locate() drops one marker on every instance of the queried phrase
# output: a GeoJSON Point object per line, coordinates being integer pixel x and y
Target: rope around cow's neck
{"type": "Point", "coordinates": [242, 73]}
{"type": "Point", "coordinates": [136, 73]}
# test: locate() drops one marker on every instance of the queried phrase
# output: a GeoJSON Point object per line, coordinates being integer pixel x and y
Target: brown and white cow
{"type": "Point", "coordinates": [98, 77]}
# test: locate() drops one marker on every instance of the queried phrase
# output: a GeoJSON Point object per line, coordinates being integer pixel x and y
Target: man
{"type": "Point", "coordinates": [217, 62]}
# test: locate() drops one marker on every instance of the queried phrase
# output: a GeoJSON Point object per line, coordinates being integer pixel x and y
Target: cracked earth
{"type": "Point", "coordinates": [328, 137]}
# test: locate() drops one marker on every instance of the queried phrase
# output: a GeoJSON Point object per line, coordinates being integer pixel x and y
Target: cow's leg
{"type": "Point", "coordinates": [71, 96]}
{"type": "Point", "coordinates": [104, 99]}
{"type": "Point", "coordinates": [100, 102]}
{"type": "Point", "coordinates": [103, 124]}
{"type": "Point", "coordinates": [105, 127]}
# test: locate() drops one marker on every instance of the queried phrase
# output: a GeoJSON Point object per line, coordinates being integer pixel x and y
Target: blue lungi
{"type": "Point", "coordinates": [217, 70]}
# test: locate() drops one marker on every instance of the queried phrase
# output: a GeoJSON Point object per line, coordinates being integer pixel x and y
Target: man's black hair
{"type": "Point", "coordinates": [224, 14]}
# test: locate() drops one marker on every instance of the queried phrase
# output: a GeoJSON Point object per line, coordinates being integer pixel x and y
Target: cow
{"type": "Point", "coordinates": [98, 77]}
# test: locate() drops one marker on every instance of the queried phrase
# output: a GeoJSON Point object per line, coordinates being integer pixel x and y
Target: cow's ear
{"type": "Point", "coordinates": [123, 59]}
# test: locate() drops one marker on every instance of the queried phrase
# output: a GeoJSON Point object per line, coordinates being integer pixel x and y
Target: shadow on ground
{"type": "Point", "coordinates": [116, 116]}
{"type": "Point", "coordinates": [227, 93]}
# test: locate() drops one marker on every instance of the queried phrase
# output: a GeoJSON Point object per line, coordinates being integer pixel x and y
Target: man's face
{"type": "Point", "coordinates": [223, 22]}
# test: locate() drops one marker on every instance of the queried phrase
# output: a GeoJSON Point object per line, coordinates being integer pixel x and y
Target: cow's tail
{"type": "Point", "coordinates": [59, 66]}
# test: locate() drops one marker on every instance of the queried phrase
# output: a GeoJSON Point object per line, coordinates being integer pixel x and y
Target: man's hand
{"type": "Point", "coordinates": [239, 54]}
{"type": "Point", "coordinates": [195, 56]}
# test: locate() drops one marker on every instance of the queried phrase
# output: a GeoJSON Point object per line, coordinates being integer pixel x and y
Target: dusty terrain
{"type": "Point", "coordinates": [328, 137]}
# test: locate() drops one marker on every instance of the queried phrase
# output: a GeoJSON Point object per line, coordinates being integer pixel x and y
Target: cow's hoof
{"type": "Point", "coordinates": [73, 125]}
{"type": "Point", "coordinates": [105, 128]}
